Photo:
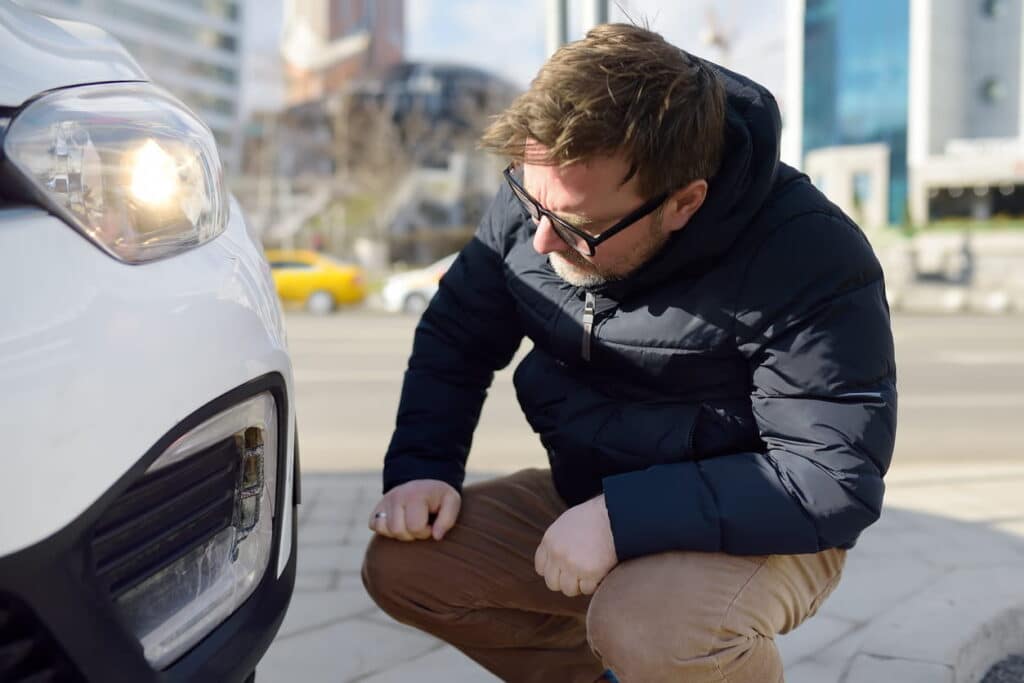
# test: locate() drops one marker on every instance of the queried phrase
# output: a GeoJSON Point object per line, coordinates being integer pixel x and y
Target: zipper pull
{"type": "Point", "coordinates": [588, 324]}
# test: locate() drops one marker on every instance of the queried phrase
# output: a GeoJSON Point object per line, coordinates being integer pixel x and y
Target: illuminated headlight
{"type": "Point", "coordinates": [183, 548]}
{"type": "Point", "coordinates": [126, 164]}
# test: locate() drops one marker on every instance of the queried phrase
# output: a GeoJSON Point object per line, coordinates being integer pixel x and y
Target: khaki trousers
{"type": "Point", "coordinates": [676, 616]}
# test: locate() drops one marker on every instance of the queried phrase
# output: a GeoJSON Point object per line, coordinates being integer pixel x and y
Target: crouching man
{"type": "Point", "coordinates": [712, 378]}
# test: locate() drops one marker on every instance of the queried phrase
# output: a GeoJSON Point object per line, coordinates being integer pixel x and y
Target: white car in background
{"type": "Point", "coordinates": [147, 526]}
{"type": "Point", "coordinates": [411, 291]}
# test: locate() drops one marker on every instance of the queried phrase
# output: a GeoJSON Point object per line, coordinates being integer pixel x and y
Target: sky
{"type": "Point", "coordinates": [507, 36]}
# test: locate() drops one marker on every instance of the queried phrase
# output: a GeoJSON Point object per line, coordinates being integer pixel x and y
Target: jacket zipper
{"type": "Point", "coordinates": [588, 324]}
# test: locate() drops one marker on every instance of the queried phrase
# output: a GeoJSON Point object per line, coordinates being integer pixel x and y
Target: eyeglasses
{"type": "Point", "coordinates": [571, 235]}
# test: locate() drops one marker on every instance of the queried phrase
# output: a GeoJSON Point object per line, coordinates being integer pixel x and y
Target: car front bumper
{"type": "Point", "coordinates": [103, 365]}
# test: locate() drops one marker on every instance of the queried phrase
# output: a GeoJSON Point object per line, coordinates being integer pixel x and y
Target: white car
{"type": "Point", "coordinates": [410, 292]}
{"type": "Point", "coordinates": [147, 525]}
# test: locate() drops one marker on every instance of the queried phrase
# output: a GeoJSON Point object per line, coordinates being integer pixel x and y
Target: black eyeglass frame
{"type": "Point", "coordinates": [559, 225]}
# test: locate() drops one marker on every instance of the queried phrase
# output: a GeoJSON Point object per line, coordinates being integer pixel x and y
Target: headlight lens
{"type": "Point", "coordinates": [126, 164]}
{"type": "Point", "coordinates": [174, 608]}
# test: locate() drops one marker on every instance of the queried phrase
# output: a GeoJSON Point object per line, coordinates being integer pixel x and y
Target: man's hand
{"type": "Point", "coordinates": [404, 511]}
{"type": "Point", "coordinates": [578, 550]}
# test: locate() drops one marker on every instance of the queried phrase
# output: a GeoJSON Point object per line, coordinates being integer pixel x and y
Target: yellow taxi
{"type": "Point", "coordinates": [315, 280]}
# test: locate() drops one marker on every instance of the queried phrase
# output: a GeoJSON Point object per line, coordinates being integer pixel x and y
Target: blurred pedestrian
{"type": "Point", "coordinates": [711, 375]}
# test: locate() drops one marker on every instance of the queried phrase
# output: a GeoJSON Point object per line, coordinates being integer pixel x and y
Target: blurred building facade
{"type": "Point", "coordinates": [404, 140]}
{"type": "Point", "coordinates": [371, 155]}
{"type": "Point", "coordinates": [191, 47]}
{"type": "Point", "coordinates": [328, 44]}
{"type": "Point", "coordinates": [909, 110]}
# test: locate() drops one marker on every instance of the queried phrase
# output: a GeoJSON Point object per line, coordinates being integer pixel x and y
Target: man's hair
{"type": "Point", "coordinates": [621, 90]}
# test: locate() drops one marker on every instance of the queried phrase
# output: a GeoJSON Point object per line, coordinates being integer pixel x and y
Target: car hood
{"type": "Point", "coordinates": [412, 278]}
{"type": "Point", "coordinates": [41, 54]}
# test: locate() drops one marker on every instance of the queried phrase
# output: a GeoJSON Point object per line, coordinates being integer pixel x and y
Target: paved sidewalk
{"type": "Point", "coordinates": [933, 592]}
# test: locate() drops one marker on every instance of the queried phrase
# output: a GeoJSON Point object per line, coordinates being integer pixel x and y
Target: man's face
{"type": "Point", "coordinates": [590, 196]}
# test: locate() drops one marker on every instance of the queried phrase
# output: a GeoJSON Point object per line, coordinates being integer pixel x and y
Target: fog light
{"type": "Point", "coordinates": [174, 608]}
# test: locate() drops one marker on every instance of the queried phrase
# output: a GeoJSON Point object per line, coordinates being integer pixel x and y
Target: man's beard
{"type": "Point", "coordinates": [572, 267]}
{"type": "Point", "coordinates": [575, 270]}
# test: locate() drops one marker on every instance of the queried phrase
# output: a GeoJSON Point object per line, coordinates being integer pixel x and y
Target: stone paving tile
{"type": "Point", "coordinates": [358, 533]}
{"type": "Point", "coordinates": [867, 669]}
{"type": "Point", "coordinates": [811, 637]}
{"type": "Point", "coordinates": [869, 588]}
{"type": "Point", "coordinates": [957, 545]}
{"type": "Point", "coordinates": [335, 633]}
{"type": "Point", "coordinates": [380, 617]}
{"type": "Point", "coordinates": [323, 533]}
{"type": "Point", "coordinates": [963, 607]}
{"type": "Point", "coordinates": [810, 671]}
{"type": "Point", "coordinates": [340, 653]}
{"type": "Point", "coordinates": [316, 581]}
{"type": "Point", "coordinates": [320, 558]}
{"type": "Point", "coordinates": [444, 665]}
{"type": "Point", "coordinates": [339, 511]}
{"type": "Point", "coordinates": [828, 664]}
{"type": "Point", "coordinates": [314, 610]}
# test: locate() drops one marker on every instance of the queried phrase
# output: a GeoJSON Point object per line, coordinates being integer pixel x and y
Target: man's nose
{"type": "Point", "coordinates": [546, 240]}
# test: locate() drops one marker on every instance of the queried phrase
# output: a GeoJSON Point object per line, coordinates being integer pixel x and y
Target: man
{"type": "Point", "coordinates": [712, 377]}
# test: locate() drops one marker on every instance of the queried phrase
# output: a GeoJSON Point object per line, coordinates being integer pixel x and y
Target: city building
{"type": "Point", "coordinates": [191, 47]}
{"type": "Point", "coordinates": [328, 44]}
{"type": "Point", "coordinates": [966, 145]}
{"type": "Point", "coordinates": [908, 110]}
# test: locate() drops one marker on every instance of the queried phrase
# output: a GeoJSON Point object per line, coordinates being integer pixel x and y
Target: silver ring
{"type": "Point", "coordinates": [380, 515]}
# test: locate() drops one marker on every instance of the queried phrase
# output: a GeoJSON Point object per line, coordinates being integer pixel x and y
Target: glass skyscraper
{"type": "Point", "coordinates": [856, 75]}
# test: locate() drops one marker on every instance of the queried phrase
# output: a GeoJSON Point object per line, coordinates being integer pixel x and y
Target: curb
{"type": "Point", "coordinates": [966, 622]}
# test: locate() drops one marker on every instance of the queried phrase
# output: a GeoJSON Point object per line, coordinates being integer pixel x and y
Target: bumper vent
{"type": "Point", "coordinates": [28, 654]}
{"type": "Point", "coordinates": [166, 514]}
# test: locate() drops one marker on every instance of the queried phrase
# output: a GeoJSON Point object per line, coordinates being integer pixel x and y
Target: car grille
{"type": "Point", "coordinates": [28, 654]}
{"type": "Point", "coordinates": [166, 514]}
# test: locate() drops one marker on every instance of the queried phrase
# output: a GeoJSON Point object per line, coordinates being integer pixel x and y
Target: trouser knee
{"type": "Point", "coordinates": [689, 645]}
{"type": "Point", "coordinates": [384, 577]}
{"type": "Point", "coordinates": [411, 583]}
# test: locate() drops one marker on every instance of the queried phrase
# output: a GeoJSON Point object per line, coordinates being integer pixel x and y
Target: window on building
{"type": "Point", "coordinates": [993, 91]}
{"type": "Point", "coordinates": [224, 9]}
{"type": "Point", "coordinates": [994, 9]}
{"type": "Point", "coordinates": [153, 54]}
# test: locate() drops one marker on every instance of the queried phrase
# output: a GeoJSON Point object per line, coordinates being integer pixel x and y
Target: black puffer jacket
{"type": "Point", "coordinates": [740, 390]}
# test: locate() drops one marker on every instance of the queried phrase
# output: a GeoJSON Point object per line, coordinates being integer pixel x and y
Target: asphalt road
{"type": "Point", "coordinates": [961, 383]}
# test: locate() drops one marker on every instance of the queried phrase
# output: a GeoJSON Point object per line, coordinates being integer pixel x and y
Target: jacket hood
{"type": "Point", "coordinates": [750, 163]}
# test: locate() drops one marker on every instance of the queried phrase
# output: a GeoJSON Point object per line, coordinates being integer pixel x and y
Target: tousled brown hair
{"type": "Point", "coordinates": [621, 90]}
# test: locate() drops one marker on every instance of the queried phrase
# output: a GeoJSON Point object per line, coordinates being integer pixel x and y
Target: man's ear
{"type": "Point", "coordinates": [683, 203]}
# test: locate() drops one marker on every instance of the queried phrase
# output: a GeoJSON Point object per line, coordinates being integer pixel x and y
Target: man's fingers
{"type": "Point", "coordinates": [569, 584]}
{"type": "Point", "coordinates": [540, 559]}
{"type": "Point", "coordinates": [416, 514]}
{"type": "Point", "coordinates": [396, 523]}
{"type": "Point", "coordinates": [588, 586]}
{"type": "Point", "coordinates": [553, 578]}
{"type": "Point", "coordinates": [380, 524]}
{"type": "Point", "coordinates": [447, 514]}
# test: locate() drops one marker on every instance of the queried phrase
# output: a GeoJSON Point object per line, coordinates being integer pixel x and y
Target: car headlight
{"type": "Point", "coordinates": [189, 542]}
{"type": "Point", "coordinates": [126, 164]}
